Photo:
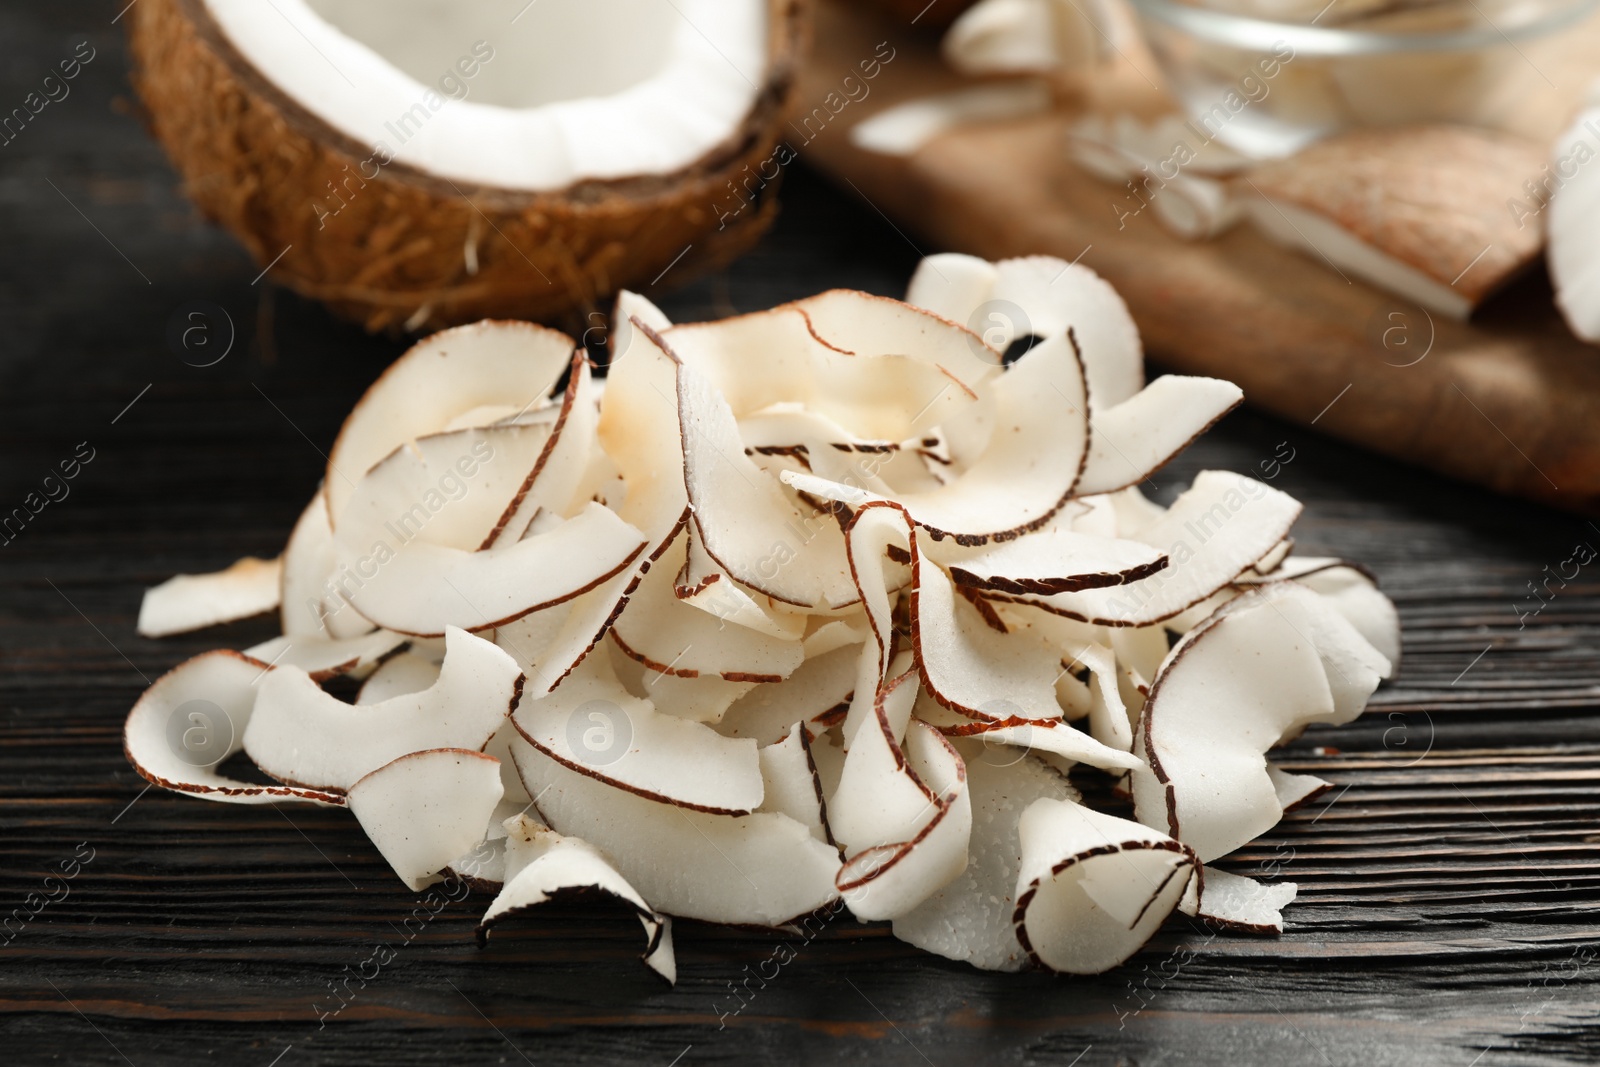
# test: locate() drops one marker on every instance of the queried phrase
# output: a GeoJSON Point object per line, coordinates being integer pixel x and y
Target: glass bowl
{"type": "Point", "coordinates": [1267, 86]}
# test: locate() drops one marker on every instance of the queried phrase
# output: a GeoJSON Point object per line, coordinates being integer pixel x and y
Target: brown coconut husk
{"type": "Point", "coordinates": [401, 253]}
{"type": "Point", "coordinates": [1429, 197]}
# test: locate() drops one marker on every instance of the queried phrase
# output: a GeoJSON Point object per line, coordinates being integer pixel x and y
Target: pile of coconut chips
{"type": "Point", "coordinates": [815, 604]}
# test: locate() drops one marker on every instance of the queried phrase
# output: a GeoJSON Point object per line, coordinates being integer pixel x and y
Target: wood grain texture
{"type": "Point", "coordinates": [1510, 400]}
{"type": "Point", "coordinates": [1450, 881]}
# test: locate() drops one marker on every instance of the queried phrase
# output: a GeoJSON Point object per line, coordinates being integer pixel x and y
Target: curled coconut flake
{"type": "Point", "coordinates": [1221, 525]}
{"type": "Point", "coordinates": [1030, 36]}
{"type": "Point", "coordinates": [327, 658]}
{"type": "Point", "coordinates": [1241, 904]}
{"type": "Point", "coordinates": [639, 431]}
{"type": "Point", "coordinates": [310, 603]}
{"type": "Point", "coordinates": [763, 869]}
{"type": "Point", "coordinates": [1258, 672]}
{"type": "Point", "coordinates": [669, 636]}
{"type": "Point", "coordinates": [971, 918]}
{"type": "Point", "coordinates": [187, 602]}
{"type": "Point", "coordinates": [900, 812]}
{"type": "Point", "coordinates": [426, 809]}
{"type": "Point", "coordinates": [1092, 888]}
{"type": "Point", "coordinates": [192, 719]}
{"type": "Point", "coordinates": [487, 370]}
{"type": "Point", "coordinates": [592, 725]}
{"type": "Point", "coordinates": [1036, 451]}
{"type": "Point", "coordinates": [903, 129]}
{"type": "Point", "coordinates": [542, 865]}
{"type": "Point", "coordinates": [1039, 296]}
{"type": "Point", "coordinates": [304, 736]}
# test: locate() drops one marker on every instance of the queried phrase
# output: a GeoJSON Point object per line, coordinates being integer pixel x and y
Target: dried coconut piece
{"type": "Point", "coordinates": [398, 676]}
{"type": "Point", "coordinates": [1092, 888]}
{"type": "Point", "coordinates": [451, 488]}
{"type": "Point", "coordinates": [971, 918]}
{"type": "Point", "coordinates": [900, 812]}
{"type": "Point", "coordinates": [542, 865]}
{"type": "Point", "coordinates": [668, 636]}
{"type": "Point", "coordinates": [186, 602]}
{"type": "Point", "coordinates": [639, 432]}
{"type": "Point", "coordinates": [763, 869]}
{"type": "Point", "coordinates": [1355, 595]}
{"type": "Point", "coordinates": [877, 367]}
{"type": "Point", "coordinates": [1217, 528]}
{"type": "Point", "coordinates": [742, 517]}
{"type": "Point", "coordinates": [327, 658]}
{"type": "Point", "coordinates": [592, 725]}
{"type": "Point", "coordinates": [1243, 905]}
{"type": "Point", "coordinates": [426, 808]}
{"type": "Point", "coordinates": [1055, 737]}
{"type": "Point", "coordinates": [310, 603]}
{"type": "Point", "coordinates": [1055, 295]}
{"type": "Point", "coordinates": [192, 719]}
{"type": "Point", "coordinates": [903, 129]}
{"type": "Point", "coordinates": [1574, 266]}
{"type": "Point", "coordinates": [1264, 667]}
{"type": "Point", "coordinates": [1048, 561]}
{"type": "Point", "coordinates": [1035, 455]}
{"type": "Point", "coordinates": [792, 783]}
{"type": "Point", "coordinates": [999, 37]}
{"type": "Point", "coordinates": [969, 667]}
{"type": "Point", "coordinates": [302, 735]}
{"type": "Point", "coordinates": [1134, 439]}
{"type": "Point", "coordinates": [1418, 211]}
{"type": "Point", "coordinates": [424, 589]}
{"type": "Point", "coordinates": [488, 366]}
{"type": "Point", "coordinates": [819, 688]}
{"type": "Point", "coordinates": [559, 474]}
{"type": "Point", "coordinates": [879, 331]}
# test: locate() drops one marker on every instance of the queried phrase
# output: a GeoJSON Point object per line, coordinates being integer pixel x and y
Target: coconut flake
{"type": "Point", "coordinates": [302, 735]}
{"type": "Point", "coordinates": [1221, 525]}
{"type": "Point", "coordinates": [763, 869]}
{"type": "Point", "coordinates": [1259, 672]}
{"type": "Point", "coordinates": [1092, 888]}
{"type": "Point", "coordinates": [424, 589]}
{"type": "Point", "coordinates": [1242, 904]}
{"type": "Point", "coordinates": [426, 808]}
{"type": "Point", "coordinates": [482, 367]}
{"type": "Point", "coordinates": [326, 658]}
{"type": "Point", "coordinates": [187, 602]}
{"type": "Point", "coordinates": [193, 718]}
{"type": "Point", "coordinates": [541, 865]}
{"type": "Point", "coordinates": [592, 725]}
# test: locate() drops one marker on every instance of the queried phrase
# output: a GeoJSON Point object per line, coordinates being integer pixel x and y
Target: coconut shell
{"type": "Point", "coordinates": [416, 251]}
{"type": "Point", "coordinates": [933, 14]}
{"type": "Point", "coordinates": [1430, 197]}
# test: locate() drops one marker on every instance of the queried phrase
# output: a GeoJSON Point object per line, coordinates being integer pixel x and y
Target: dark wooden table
{"type": "Point", "coordinates": [1449, 890]}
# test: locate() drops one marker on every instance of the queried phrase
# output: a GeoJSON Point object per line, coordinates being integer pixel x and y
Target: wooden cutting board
{"type": "Point", "coordinates": [1510, 399]}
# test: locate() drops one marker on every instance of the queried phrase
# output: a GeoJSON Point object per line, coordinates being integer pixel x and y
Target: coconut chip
{"type": "Point", "coordinates": [188, 602]}
{"type": "Point", "coordinates": [807, 609]}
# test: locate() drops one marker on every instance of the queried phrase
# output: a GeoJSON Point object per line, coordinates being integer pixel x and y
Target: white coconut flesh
{"type": "Point", "coordinates": [541, 864]}
{"type": "Point", "coordinates": [188, 602]}
{"type": "Point", "coordinates": [426, 808]}
{"type": "Point", "coordinates": [301, 735]}
{"type": "Point", "coordinates": [559, 92]}
{"type": "Point", "coordinates": [783, 619]}
{"type": "Point", "coordinates": [592, 725]}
